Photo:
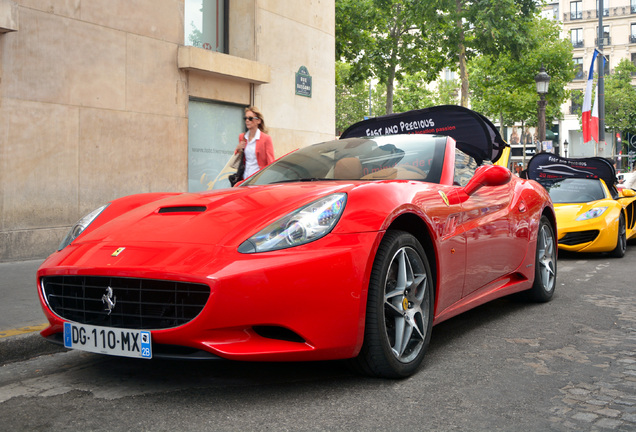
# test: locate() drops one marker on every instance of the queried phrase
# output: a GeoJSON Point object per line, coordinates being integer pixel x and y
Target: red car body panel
{"type": "Point", "coordinates": [321, 287]}
{"type": "Point", "coordinates": [480, 241]}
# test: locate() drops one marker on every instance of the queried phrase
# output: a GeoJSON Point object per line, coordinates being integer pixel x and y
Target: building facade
{"type": "Point", "coordinates": [580, 20]}
{"type": "Point", "coordinates": [105, 98]}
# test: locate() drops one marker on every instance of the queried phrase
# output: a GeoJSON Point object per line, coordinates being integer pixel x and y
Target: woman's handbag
{"type": "Point", "coordinates": [240, 169]}
{"type": "Point", "coordinates": [235, 160]}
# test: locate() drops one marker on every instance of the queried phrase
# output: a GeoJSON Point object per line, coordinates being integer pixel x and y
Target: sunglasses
{"type": "Point", "coordinates": [250, 118]}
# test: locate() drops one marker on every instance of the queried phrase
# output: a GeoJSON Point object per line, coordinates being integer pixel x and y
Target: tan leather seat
{"type": "Point", "coordinates": [348, 168]}
{"type": "Point", "coordinates": [402, 172]}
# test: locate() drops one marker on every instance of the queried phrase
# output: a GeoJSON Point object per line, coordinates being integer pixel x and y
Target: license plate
{"type": "Point", "coordinates": [108, 340]}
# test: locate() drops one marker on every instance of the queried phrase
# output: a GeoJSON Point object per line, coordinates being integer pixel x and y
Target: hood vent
{"type": "Point", "coordinates": [182, 209]}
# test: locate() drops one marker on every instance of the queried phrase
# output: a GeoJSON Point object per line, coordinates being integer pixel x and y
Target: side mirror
{"type": "Point", "coordinates": [488, 175]}
{"type": "Point", "coordinates": [628, 193]}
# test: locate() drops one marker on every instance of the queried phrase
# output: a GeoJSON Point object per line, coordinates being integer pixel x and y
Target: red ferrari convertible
{"type": "Point", "coordinates": [347, 249]}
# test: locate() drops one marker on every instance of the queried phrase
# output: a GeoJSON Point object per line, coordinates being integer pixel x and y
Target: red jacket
{"type": "Point", "coordinates": [264, 149]}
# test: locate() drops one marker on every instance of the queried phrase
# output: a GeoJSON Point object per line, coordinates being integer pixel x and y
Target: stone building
{"type": "Point", "coordinates": [580, 20]}
{"type": "Point", "coordinates": [105, 98]}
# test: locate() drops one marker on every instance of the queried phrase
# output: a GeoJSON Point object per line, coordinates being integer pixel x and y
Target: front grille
{"type": "Point", "coordinates": [138, 303]}
{"type": "Point", "coordinates": [579, 237]}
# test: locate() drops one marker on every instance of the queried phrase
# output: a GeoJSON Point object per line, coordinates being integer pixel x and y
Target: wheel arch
{"type": "Point", "coordinates": [549, 213]}
{"type": "Point", "coordinates": [419, 229]}
{"type": "Point", "coordinates": [630, 215]}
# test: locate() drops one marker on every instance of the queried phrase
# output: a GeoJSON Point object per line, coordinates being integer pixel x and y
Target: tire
{"type": "Point", "coordinates": [545, 267]}
{"type": "Point", "coordinates": [621, 240]}
{"type": "Point", "coordinates": [399, 315]}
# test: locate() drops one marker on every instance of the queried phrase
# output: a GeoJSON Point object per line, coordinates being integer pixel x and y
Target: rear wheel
{"type": "Point", "coordinates": [399, 309]}
{"type": "Point", "coordinates": [545, 268]}
{"type": "Point", "coordinates": [621, 240]}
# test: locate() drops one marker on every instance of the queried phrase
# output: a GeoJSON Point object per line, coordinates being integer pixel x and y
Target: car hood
{"type": "Point", "coordinates": [569, 212]}
{"type": "Point", "coordinates": [224, 217]}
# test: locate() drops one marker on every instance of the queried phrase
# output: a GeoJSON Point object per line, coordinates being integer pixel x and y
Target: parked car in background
{"type": "Point", "coordinates": [592, 214]}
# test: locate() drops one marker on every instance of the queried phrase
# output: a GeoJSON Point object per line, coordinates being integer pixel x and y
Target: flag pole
{"type": "Point", "coordinates": [601, 82]}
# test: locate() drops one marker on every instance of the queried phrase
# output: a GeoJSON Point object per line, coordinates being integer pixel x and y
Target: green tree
{"type": "Point", "coordinates": [447, 92]}
{"type": "Point", "coordinates": [352, 98]}
{"type": "Point", "coordinates": [504, 87]}
{"type": "Point", "coordinates": [387, 39]}
{"type": "Point", "coordinates": [485, 27]}
{"type": "Point", "coordinates": [411, 93]}
{"type": "Point", "coordinates": [620, 99]}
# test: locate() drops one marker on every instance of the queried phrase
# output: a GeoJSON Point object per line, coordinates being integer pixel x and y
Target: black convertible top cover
{"type": "Point", "coordinates": [548, 168]}
{"type": "Point", "coordinates": [474, 133]}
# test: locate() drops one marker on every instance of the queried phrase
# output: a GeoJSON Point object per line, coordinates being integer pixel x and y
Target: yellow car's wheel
{"type": "Point", "coordinates": [621, 241]}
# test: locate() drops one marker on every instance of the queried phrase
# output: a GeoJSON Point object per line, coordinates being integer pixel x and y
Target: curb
{"type": "Point", "coordinates": [25, 347]}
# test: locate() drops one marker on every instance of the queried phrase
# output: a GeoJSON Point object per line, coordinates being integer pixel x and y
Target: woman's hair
{"type": "Point", "coordinates": [255, 110]}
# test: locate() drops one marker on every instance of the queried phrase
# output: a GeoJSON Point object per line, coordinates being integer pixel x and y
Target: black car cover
{"type": "Point", "coordinates": [474, 133]}
{"type": "Point", "coordinates": [548, 168]}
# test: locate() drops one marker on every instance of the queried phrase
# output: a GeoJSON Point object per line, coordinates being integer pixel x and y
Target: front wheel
{"type": "Point", "coordinates": [621, 240]}
{"type": "Point", "coordinates": [399, 309]}
{"type": "Point", "coordinates": [545, 270]}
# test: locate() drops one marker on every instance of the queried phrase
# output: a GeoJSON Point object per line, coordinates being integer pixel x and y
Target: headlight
{"type": "Point", "coordinates": [304, 225]}
{"type": "Point", "coordinates": [592, 213]}
{"type": "Point", "coordinates": [80, 226]}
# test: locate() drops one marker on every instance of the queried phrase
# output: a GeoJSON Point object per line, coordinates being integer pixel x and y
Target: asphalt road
{"type": "Point", "coordinates": [568, 365]}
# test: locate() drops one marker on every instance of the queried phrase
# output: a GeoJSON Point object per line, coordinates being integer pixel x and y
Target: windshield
{"type": "Point", "coordinates": [574, 190]}
{"type": "Point", "coordinates": [395, 157]}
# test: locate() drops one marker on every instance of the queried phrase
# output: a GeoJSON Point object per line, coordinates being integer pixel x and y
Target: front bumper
{"type": "Point", "coordinates": [597, 236]}
{"type": "Point", "coordinates": [302, 303]}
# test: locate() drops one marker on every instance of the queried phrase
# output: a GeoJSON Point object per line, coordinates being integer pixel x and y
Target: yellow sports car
{"type": "Point", "coordinates": [592, 215]}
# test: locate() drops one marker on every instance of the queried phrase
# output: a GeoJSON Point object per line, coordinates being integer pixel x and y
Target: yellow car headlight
{"type": "Point", "coordinates": [592, 213]}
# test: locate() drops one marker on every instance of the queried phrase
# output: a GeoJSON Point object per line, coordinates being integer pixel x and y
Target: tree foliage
{"type": "Point", "coordinates": [388, 39]}
{"type": "Point", "coordinates": [485, 27]}
{"type": "Point", "coordinates": [411, 93]}
{"type": "Point", "coordinates": [351, 102]}
{"type": "Point", "coordinates": [620, 99]}
{"type": "Point", "coordinates": [393, 39]}
{"type": "Point", "coordinates": [504, 87]}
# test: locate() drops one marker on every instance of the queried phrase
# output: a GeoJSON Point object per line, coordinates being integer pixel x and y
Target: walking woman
{"type": "Point", "coordinates": [256, 145]}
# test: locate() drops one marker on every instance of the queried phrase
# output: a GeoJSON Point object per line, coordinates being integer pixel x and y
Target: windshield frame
{"type": "Point", "coordinates": [394, 157]}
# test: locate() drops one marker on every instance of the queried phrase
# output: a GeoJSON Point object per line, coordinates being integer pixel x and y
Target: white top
{"type": "Point", "coordinates": [630, 180]}
{"type": "Point", "coordinates": [251, 164]}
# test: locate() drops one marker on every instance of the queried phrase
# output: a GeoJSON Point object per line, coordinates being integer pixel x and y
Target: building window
{"type": "Point", "coordinates": [605, 8]}
{"type": "Point", "coordinates": [578, 63]}
{"type": "Point", "coordinates": [576, 10]}
{"type": "Point", "coordinates": [606, 36]}
{"type": "Point", "coordinates": [213, 130]}
{"type": "Point", "coordinates": [205, 24]}
{"type": "Point", "coordinates": [577, 37]}
{"type": "Point", "coordinates": [449, 75]}
{"type": "Point", "coordinates": [632, 36]}
{"type": "Point", "coordinates": [633, 4]}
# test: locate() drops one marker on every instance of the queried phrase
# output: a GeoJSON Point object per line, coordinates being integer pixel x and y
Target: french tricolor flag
{"type": "Point", "coordinates": [590, 114]}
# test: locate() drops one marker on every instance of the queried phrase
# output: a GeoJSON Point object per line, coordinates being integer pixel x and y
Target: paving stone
{"type": "Point", "coordinates": [596, 402]}
{"type": "Point", "coordinates": [608, 423]}
{"type": "Point", "coordinates": [609, 412]}
{"type": "Point", "coordinates": [585, 417]}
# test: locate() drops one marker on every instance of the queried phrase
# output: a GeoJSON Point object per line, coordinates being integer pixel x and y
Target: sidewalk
{"type": "Point", "coordinates": [21, 316]}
